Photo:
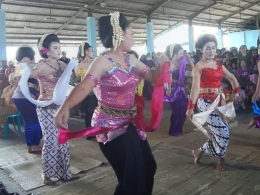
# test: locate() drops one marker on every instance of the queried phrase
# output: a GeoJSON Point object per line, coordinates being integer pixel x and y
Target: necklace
{"type": "Point", "coordinates": [58, 72]}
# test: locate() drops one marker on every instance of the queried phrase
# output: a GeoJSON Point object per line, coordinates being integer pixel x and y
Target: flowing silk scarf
{"type": "Point", "coordinates": [60, 89]}
{"type": "Point", "coordinates": [156, 108]}
{"type": "Point", "coordinates": [256, 110]}
{"type": "Point", "coordinates": [178, 87]}
{"type": "Point", "coordinates": [227, 112]}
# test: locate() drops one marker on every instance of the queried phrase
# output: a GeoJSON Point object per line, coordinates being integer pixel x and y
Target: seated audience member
{"type": "Point", "coordinates": [250, 91]}
{"type": "Point", "coordinates": [239, 103]}
{"type": "Point", "coordinates": [6, 104]}
{"type": "Point", "coordinates": [244, 74]}
{"type": "Point", "coordinates": [3, 82]}
{"type": "Point", "coordinates": [10, 68]}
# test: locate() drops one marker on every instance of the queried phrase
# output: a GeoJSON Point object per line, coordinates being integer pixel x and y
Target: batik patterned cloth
{"type": "Point", "coordinates": [217, 146]}
{"type": "Point", "coordinates": [55, 156]}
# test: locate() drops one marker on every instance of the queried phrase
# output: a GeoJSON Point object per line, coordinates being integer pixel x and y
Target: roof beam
{"type": "Point", "coordinates": [156, 25]}
{"type": "Point", "coordinates": [77, 39]}
{"type": "Point", "coordinates": [195, 14]}
{"type": "Point", "coordinates": [151, 10]}
{"type": "Point", "coordinates": [173, 26]}
{"type": "Point", "coordinates": [53, 6]}
{"type": "Point", "coordinates": [71, 19]}
{"type": "Point", "coordinates": [238, 11]}
{"type": "Point", "coordinates": [136, 33]}
{"type": "Point", "coordinates": [155, 7]}
{"type": "Point", "coordinates": [136, 18]}
{"type": "Point", "coordinates": [74, 16]}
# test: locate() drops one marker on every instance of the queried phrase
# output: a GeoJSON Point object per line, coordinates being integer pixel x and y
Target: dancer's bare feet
{"type": "Point", "coordinates": [73, 177]}
{"type": "Point", "coordinates": [34, 149]}
{"type": "Point", "coordinates": [220, 165]}
{"type": "Point", "coordinates": [47, 181]}
{"type": "Point", "coordinates": [252, 123]}
{"type": "Point", "coordinates": [197, 155]}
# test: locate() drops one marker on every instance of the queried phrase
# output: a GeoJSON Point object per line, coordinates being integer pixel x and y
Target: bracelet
{"type": "Point", "coordinates": [191, 106]}
{"type": "Point", "coordinates": [236, 90]}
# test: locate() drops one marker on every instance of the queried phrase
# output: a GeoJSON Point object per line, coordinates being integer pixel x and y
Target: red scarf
{"type": "Point", "coordinates": [156, 107]}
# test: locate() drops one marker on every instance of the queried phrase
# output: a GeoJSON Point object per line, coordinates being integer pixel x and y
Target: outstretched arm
{"type": "Point", "coordinates": [145, 72]}
{"type": "Point", "coordinates": [257, 91]}
{"type": "Point", "coordinates": [95, 72]}
{"type": "Point", "coordinates": [232, 79]}
{"type": "Point", "coordinates": [85, 87]}
{"type": "Point", "coordinates": [195, 89]}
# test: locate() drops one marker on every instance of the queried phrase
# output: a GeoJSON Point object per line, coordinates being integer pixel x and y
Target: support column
{"type": "Point", "coordinates": [191, 37]}
{"type": "Point", "coordinates": [2, 40]}
{"type": "Point", "coordinates": [150, 36]}
{"type": "Point", "coordinates": [220, 37]}
{"type": "Point", "coordinates": [257, 22]}
{"type": "Point", "coordinates": [91, 32]}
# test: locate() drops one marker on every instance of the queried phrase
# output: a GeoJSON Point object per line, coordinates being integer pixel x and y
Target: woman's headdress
{"type": "Point", "coordinates": [82, 49]}
{"type": "Point", "coordinates": [117, 31]}
{"type": "Point", "coordinates": [171, 47]}
{"type": "Point", "coordinates": [40, 47]}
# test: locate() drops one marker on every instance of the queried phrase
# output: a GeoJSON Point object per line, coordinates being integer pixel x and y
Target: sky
{"type": "Point", "coordinates": [177, 35]}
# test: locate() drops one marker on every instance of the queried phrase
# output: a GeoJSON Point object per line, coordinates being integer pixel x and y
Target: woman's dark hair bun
{"type": "Point", "coordinates": [105, 29]}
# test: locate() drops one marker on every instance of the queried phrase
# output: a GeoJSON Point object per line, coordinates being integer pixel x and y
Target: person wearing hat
{"type": "Point", "coordinates": [10, 68]}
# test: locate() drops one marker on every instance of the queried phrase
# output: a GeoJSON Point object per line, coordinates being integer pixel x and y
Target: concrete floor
{"type": "Point", "coordinates": [176, 173]}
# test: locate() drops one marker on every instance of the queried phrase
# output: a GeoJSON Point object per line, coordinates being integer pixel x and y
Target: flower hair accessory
{"type": "Point", "coordinates": [171, 50]}
{"type": "Point", "coordinates": [82, 49]}
{"type": "Point", "coordinates": [40, 47]}
{"type": "Point", "coordinates": [44, 50]}
{"type": "Point", "coordinates": [117, 31]}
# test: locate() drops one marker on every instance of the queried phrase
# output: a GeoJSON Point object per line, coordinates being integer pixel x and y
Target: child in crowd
{"type": "Point", "coordinates": [250, 91]}
{"type": "Point", "coordinates": [240, 101]}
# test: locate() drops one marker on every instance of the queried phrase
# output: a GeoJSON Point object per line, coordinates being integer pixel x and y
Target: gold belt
{"type": "Point", "coordinates": [211, 90]}
{"type": "Point", "coordinates": [117, 112]}
{"type": "Point", "coordinates": [32, 86]}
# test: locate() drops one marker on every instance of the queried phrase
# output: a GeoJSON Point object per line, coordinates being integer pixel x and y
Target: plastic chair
{"type": "Point", "coordinates": [16, 119]}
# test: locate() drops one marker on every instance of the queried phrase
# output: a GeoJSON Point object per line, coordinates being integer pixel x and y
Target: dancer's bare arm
{"type": "Point", "coordinates": [151, 75]}
{"type": "Point", "coordinates": [190, 61]}
{"type": "Point", "coordinates": [232, 79]}
{"type": "Point", "coordinates": [85, 87]}
{"type": "Point", "coordinates": [256, 96]}
{"type": "Point", "coordinates": [195, 88]}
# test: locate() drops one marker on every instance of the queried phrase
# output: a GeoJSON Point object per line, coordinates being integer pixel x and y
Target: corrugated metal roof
{"type": "Point", "coordinates": [163, 13]}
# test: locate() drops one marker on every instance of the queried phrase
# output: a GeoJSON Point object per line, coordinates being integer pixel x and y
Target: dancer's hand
{"type": "Point", "coordinates": [255, 97]}
{"type": "Point", "coordinates": [190, 113]}
{"type": "Point", "coordinates": [162, 59]}
{"type": "Point", "coordinates": [233, 97]}
{"type": "Point", "coordinates": [61, 117]}
{"type": "Point", "coordinates": [188, 56]}
{"type": "Point", "coordinates": [168, 92]}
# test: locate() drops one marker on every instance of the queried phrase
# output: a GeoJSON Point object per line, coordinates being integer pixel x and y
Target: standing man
{"type": "Point", "coordinates": [64, 58]}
